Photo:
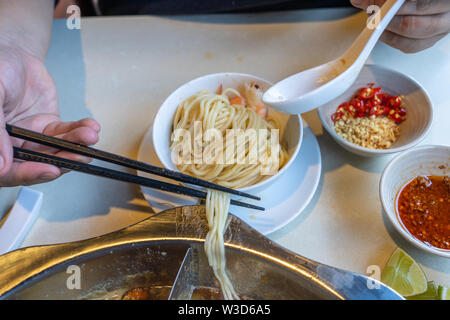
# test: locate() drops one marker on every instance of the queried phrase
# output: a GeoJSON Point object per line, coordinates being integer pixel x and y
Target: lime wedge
{"type": "Point", "coordinates": [444, 293]}
{"type": "Point", "coordinates": [404, 275]}
{"type": "Point", "coordinates": [430, 294]}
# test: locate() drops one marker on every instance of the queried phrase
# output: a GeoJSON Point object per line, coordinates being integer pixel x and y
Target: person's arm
{"type": "Point", "coordinates": [418, 25]}
{"type": "Point", "coordinates": [26, 24]}
{"type": "Point", "coordinates": [28, 96]}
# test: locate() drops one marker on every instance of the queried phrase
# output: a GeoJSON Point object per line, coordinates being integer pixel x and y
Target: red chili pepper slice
{"type": "Point", "coordinates": [336, 116]}
{"type": "Point", "coordinates": [371, 101]}
{"type": "Point", "coordinates": [366, 93]}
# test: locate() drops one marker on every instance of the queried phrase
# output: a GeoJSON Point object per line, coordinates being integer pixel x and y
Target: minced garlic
{"type": "Point", "coordinates": [369, 132]}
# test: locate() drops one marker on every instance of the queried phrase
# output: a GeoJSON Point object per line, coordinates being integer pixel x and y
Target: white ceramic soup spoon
{"type": "Point", "coordinates": [314, 87]}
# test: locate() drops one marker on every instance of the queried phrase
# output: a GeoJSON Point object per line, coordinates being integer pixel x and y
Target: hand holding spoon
{"type": "Point", "coordinates": [314, 87]}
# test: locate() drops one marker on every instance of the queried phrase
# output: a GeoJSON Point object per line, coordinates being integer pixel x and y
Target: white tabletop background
{"type": "Point", "coordinates": [119, 70]}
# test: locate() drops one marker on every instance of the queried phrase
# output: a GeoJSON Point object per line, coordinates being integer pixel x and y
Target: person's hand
{"type": "Point", "coordinates": [28, 99]}
{"type": "Point", "coordinates": [418, 25]}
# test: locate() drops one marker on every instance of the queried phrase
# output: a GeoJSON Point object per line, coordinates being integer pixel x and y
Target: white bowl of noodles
{"type": "Point", "coordinates": [290, 126]}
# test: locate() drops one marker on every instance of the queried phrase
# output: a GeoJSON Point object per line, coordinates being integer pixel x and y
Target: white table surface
{"type": "Point", "coordinates": [119, 70]}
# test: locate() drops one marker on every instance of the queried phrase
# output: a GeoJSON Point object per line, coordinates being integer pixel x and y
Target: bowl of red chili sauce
{"type": "Point", "coordinates": [383, 112]}
{"type": "Point", "coordinates": [415, 195]}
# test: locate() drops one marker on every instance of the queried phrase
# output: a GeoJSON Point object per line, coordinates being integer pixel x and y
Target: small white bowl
{"type": "Point", "coordinates": [403, 168]}
{"type": "Point", "coordinates": [291, 126]}
{"type": "Point", "coordinates": [418, 107]}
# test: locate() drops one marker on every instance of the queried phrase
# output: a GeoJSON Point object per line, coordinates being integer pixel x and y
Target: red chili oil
{"type": "Point", "coordinates": [423, 206]}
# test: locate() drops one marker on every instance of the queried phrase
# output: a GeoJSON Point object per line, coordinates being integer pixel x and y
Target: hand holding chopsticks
{"type": "Point", "coordinates": [65, 145]}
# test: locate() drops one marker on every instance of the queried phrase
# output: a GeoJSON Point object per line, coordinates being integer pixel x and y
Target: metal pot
{"type": "Point", "coordinates": [163, 256]}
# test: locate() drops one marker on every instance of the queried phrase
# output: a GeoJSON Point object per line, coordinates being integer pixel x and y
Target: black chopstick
{"type": "Point", "coordinates": [29, 155]}
{"type": "Point", "coordinates": [83, 150]}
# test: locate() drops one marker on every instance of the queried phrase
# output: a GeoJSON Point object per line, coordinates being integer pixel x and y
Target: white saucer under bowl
{"type": "Point", "coordinates": [284, 199]}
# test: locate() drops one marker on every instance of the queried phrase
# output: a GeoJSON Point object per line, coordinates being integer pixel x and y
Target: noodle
{"type": "Point", "coordinates": [217, 204]}
{"type": "Point", "coordinates": [204, 111]}
{"type": "Point", "coordinates": [214, 111]}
